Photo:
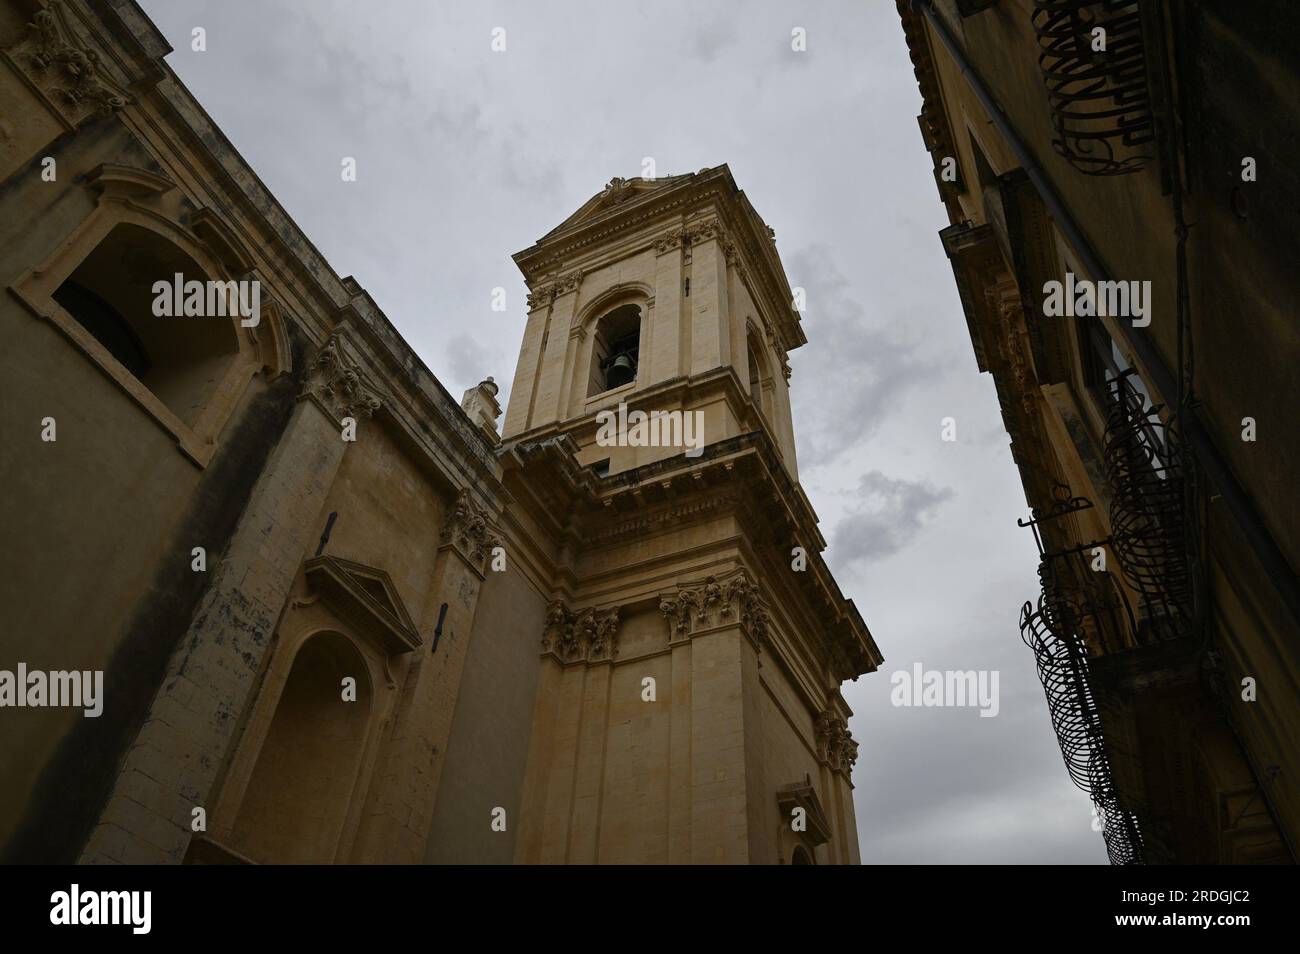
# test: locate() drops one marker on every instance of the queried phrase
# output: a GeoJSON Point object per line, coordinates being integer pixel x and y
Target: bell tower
{"type": "Point", "coordinates": [662, 295]}
{"type": "Point", "coordinates": [688, 706]}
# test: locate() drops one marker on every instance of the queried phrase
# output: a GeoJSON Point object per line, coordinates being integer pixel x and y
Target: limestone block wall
{"type": "Point", "coordinates": [488, 748]}
{"type": "Point", "coordinates": [104, 518]}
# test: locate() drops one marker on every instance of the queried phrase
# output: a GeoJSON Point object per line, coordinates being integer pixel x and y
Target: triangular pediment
{"type": "Point", "coordinates": [366, 596]}
{"type": "Point", "coordinates": [617, 194]}
{"type": "Point", "coordinates": [802, 795]}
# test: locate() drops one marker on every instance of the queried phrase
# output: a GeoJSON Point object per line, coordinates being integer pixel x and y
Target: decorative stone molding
{"type": "Point", "coordinates": [804, 795]}
{"type": "Point", "coordinates": [666, 243]}
{"type": "Point", "coordinates": [467, 529]}
{"type": "Point", "coordinates": [1004, 298]}
{"type": "Point", "coordinates": [703, 231]}
{"type": "Point", "coordinates": [716, 603]}
{"type": "Point", "coordinates": [336, 383]}
{"type": "Point", "coordinates": [694, 234]}
{"type": "Point", "coordinates": [364, 597]}
{"type": "Point", "coordinates": [67, 73]}
{"type": "Point", "coordinates": [547, 292]}
{"type": "Point", "coordinates": [782, 355]}
{"type": "Point", "coordinates": [617, 191]}
{"type": "Point", "coordinates": [586, 635]}
{"type": "Point", "coordinates": [835, 746]}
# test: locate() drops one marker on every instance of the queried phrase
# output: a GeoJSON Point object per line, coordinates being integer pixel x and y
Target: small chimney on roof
{"type": "Point", "coordinates": [480, 404]}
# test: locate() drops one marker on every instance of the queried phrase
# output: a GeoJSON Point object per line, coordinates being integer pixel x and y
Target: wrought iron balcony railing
{"type": "Point", "coordinates": [1148, 508]}
{"type": "Point", "coordinates": [1079, 606]}
{"type": "Point", "coordinates": [1094, 64]}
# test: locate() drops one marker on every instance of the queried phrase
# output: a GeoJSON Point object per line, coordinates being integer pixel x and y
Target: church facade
{"type": "Point", "coordinates": [341, 617]}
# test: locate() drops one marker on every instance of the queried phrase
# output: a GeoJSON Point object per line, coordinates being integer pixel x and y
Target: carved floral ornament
{"type": "Point", "coordinates": [716, 603]}
{"type": "Point", "coordinates": [64, 69]}
{"type": "Point", "coordinates": [616, 191]}
{"type": "Point", "coordinates": [336, 383]}
{"type": "Point", "coordinates": [583, 635]}
{"type": "Point", "coordinates": [694, 234]}
{"type": "Point", "coordinates": [468, 530]}
{"type": "Point", "coordinates": [547, 292]}
{"type": "Point", "coordinates": [835, 746]}
{"type": "Point", "coordinates": [1006, 301]}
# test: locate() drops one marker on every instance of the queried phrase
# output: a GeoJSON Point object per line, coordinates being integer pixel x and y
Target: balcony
{"type": "Point", "coordinates": [1094, 64]}
{"type": "Point", "coordinates": [1080, 613]}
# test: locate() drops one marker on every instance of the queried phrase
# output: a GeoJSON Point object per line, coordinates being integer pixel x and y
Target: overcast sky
{"type": "Point", "coordinates": [465, 156]}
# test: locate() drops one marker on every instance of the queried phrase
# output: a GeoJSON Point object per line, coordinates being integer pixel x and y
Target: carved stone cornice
{"type": "Point", "coordinates": [695, 233]}
{"type": "Point", "coordinates": [547, 292]}
{"type": "Point", "coordinates": [1005, 304]}
{"type": "Point", "coordinates": [585, 635]}
{"type": "Point", "coordinates": [336, 383]}
{"type": "Point", "coordinates": [468, 531]}
{"type": "Point", "coordinates": [67, 73]}
{"type": "Point", "coordinates": [695, 608]}
{"type": "Point", "coordinates": [666, 243]}
{"type": "Point", "coordinates": [835, 746]}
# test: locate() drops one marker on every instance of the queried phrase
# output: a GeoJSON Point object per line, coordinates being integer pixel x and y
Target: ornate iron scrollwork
{"type": "Point", "coordinates": [1143, 469]}
{"type": "Point", "coordinates": [1078, 606]}
{"type": "Point", "coordinates": [1094, 64]}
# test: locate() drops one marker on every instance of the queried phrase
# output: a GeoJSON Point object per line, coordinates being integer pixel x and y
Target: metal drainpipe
{"type": "Point", "coordinates": [1207, 455]}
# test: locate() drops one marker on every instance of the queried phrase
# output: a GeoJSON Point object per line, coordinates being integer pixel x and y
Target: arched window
{"type": "Point", "coordinates": [297, 799]}
{"type": "Point", "coordinates": [111, 294]}
{"type": "Point", "coordinates": [616, 349]}
{"type": "Point", "coordinates": [758, 376]}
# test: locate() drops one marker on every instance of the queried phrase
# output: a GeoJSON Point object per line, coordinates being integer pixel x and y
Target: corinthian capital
{"type": "Point", "coordinates": [545, 293]}
{"type": "Point", "coordinates": [467, 529]}
{"type": "Point", "coordinates": [337, 384]}
{"type": "Point", "coordinates": [716, 602]}
{"type": "Point", "coordinates": [835, 746]}
{"type": "Point", "coordinates": [70, 74]}
{"type": "Point", "coordinates": [586, 635]}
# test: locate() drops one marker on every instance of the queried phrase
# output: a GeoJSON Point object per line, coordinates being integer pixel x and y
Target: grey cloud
{"type": "Point", "coordinates": [470, 362]}
{"type": "Point", "coordinates": [709, 39]}
{"type": "Point", "coordinates": [864, 361]}
{"type": "Point", "coordinates": [893, 511]}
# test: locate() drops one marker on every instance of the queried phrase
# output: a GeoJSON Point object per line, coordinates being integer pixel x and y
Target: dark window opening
{"type": "Point", "coordinates": [181, 359]}
{"type": "Point", "coordinates": [601, 467]}
{"type": "Point", "coordinates": [107, 326]}
{"type": "Point", "coordinates": [1103, 363]}
{"type": "Point", "coordinates": [616, 351]}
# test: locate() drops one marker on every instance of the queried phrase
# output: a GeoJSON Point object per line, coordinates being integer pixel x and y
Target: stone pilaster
{"type": "Point", "coordinates": [176, 758]}
{"type": "Point", "coordinates": [716, 628]}
{"type": "Point", "coordinates": [405, 792]}
{"type": "Point", "coordinates": [565, 773]}
{"type": "Point", "coordinates": [837, 753]}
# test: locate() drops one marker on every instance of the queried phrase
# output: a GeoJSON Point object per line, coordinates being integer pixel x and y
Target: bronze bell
{"type": "Point", "coordinates": [621, 370]}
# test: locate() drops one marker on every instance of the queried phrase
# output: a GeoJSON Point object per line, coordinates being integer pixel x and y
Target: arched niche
{"type": "Point", "coordinates": [368, 635]}
{"type": "Point", "coordinates": [98, 289]}
{"type": "Point", "coordinates": [297, 800]}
